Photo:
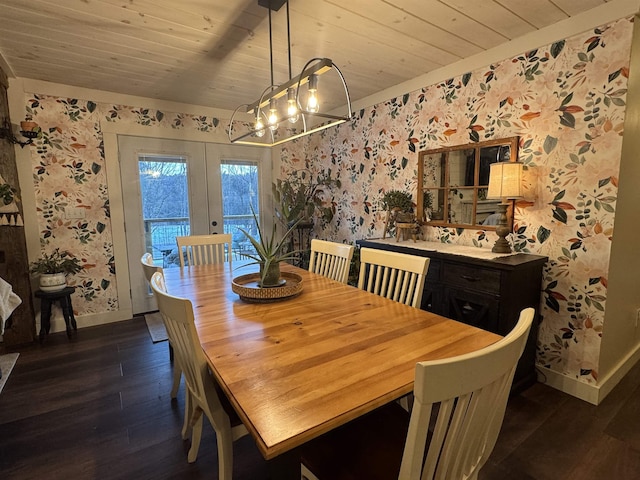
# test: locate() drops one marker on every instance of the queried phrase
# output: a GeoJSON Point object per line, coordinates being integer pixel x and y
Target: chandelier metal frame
{"type": "Point", "coordinates": [245, 133]}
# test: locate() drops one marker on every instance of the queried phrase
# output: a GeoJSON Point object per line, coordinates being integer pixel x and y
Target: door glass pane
{"type": "Point", "coordinates": [165, 206]}
{"type": "Point", "coordinates": [239, 194]}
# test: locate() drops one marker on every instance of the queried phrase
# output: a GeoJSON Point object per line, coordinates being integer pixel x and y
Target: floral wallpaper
{"type": "Point", "coordinates": [69, 172]}
{"type": "Point", "coordinates": [566, 102]}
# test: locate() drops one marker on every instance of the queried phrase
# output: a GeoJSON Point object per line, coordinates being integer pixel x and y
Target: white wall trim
{"type": "Point", "coordinates": [84, 321]}
{"type": "Point", "coordinates": [571, 386]}
{"type": "Point", "coordinates": [116, 209]}
{"type": "Point", "coordinates": [154, 131]}
{"type": "Point", "coordinates": [593, 394]}
{"type": "Point", "coordinates": [616, 374]}
{"type": "Point", "coordinates": [606, 13]}
{"type": "Point", "coordinates": [101, 96]}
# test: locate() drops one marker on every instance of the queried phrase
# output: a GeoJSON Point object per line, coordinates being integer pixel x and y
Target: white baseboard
{"type": "Point", "coordinates": [613, 378]}
{"type": "Point", "coordinates": [83, 321]}
{"type": "Point", "coordinates": [593, 394]}
{"type": "Point", "coordinates": [566, 384]}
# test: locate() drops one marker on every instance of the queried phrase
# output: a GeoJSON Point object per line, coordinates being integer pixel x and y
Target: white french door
{"type": "Point", "coordinates": [175, 187]}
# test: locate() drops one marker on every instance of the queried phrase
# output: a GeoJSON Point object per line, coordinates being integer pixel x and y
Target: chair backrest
{"type": "Point", "coordinates": [472, 391]}
{"type": "Point", "coordinates": [148, 267]}
{"type": "Point", "coordinates": [331, 259]}
{"type": "Point", "coordinates": [393, 275]}
{"type": "Point", "coordinates": [177, 314]}
{"type": "Point", "coordinates": [204, 249]}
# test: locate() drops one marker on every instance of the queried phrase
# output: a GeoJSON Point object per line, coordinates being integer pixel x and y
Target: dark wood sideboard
{"type": "Point", "coordinates": [486, 293]}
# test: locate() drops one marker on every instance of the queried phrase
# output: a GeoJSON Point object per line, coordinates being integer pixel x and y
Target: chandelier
{"type": "Point", "coordinates": [292, 109]}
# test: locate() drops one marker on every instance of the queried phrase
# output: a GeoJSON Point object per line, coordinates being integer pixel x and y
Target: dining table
{"type": "Point", "coordinates": [301, 366]}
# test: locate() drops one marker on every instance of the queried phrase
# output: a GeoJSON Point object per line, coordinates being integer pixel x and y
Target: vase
{"type": "Point", "coordinates": [52, 282]}
{"type": "Point", "coordinates": [270, 278]}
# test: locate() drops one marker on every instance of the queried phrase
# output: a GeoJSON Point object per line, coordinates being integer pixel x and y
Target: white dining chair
{"type": "Point", "coordinates": [331, 259]}
{"type": "Point", "coordinates": [393, 275]}
{"type": "Point", "coordinates": [462, 398]}
{"type": "Point", "coordinates": [203, 395]}
{"type": "Point", "coordinates": [149, 269]}
{"type": "Point", "coordinates": [204, 249]}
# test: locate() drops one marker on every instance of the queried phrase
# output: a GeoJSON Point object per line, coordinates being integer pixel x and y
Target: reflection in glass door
{"type": "Point", "coordinates": [165, 206]}
{"type": "Point", "coordinates": [240, 194]}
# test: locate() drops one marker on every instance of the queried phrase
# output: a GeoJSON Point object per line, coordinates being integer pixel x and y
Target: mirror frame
{"type": "Point", "coordinates": [446, 189]}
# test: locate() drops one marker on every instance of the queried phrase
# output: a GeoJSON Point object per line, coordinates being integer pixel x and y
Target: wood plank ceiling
{"type": "Point", "coordinates": [216, 52]}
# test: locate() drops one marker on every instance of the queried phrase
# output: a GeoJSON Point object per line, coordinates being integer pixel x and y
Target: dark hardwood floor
{"type": "Point", "coordinates": [98, 407]}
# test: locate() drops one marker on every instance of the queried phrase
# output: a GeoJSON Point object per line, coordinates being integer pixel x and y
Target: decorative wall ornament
{"type": "Point", "coordinates": [29, 130]}
{"type": "Point", "coordinates": [9, 211]}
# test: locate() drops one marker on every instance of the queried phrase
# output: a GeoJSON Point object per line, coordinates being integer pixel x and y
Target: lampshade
{"type": "Point", "coordinates": [505, 180]}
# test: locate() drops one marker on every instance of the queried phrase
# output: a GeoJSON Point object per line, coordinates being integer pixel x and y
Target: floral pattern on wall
{"type": "Point", "coordinates": [566, 102]}
{"type": "Point", "coordinates": [69, 172]}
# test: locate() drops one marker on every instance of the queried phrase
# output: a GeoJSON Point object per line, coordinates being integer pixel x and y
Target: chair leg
{"type": "Point", "coordinates": [196, 435]}
{"type": "Point", "coordinates": [225, 455]}
{"type": "Point", "coordinates": [307, 474]}
{"type": "Point", "coordinates": [177, 375]}
{"type": "Point", "coordinates": [188, 411]}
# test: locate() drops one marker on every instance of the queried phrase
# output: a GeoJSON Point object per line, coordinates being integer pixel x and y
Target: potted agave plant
{"type": "Point", "coordinates": [269, 253]}
{"type": "Point", "coordinates": [53, 269]}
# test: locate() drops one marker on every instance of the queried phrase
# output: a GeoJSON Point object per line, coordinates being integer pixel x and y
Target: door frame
{"type": "Point", "coordinates": [110, 134]}
{"type": "Point", "coordinates": [131, 148]}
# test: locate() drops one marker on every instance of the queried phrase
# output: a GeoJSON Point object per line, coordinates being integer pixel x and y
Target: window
{"type": "Point", "coordinates": [239, 195]}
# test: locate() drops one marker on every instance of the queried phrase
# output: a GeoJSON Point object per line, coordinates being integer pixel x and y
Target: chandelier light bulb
{"type": "Point", "coordinates": [292, 107]}
{"type": "Point", "coordinates": [273, 115]}
{"type": "Point", "coordinates": [313, 105]}
{"type": "Point", "coordinates": [259, 126]}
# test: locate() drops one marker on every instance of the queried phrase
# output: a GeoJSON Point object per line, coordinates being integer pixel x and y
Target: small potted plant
{"type": "Point", "coordinates": [53, 269]}
{"type": "Point", "coordinates": [399, 207]}
{"type": "Point", "coordinates": [269, 252]}
{"type": "Point", "coordinates": [397, 200]}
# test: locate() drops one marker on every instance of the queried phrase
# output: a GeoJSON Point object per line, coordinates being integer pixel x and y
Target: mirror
{"type": "Point", "coordinates": [453, 182]}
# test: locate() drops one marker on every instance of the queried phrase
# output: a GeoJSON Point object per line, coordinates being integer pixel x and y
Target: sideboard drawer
{"type": "Point", "coordinates": [471, 277]}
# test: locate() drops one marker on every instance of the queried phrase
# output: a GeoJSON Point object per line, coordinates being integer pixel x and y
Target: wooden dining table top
{"type": "Point", "coordinates": [298, 368]}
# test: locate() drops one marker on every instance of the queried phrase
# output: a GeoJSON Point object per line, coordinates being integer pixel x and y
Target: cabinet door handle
{"type": "Point", "coordinates": [469, 278]}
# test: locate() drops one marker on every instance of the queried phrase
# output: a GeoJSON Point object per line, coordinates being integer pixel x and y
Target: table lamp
{"type": "Point", "coordinates": [505, 183]}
